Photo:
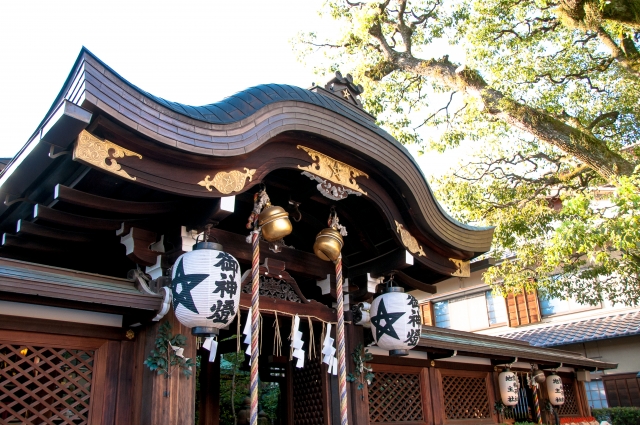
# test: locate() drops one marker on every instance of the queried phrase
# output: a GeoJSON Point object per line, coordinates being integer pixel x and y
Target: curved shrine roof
{"type": "Point", "coordinates": [243, 122]}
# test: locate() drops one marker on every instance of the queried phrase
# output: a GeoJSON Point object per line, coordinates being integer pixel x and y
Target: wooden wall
{"type": "Point", "coordinates": [124, 391]}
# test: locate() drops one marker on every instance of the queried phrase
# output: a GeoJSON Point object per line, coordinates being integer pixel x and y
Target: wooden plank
{"type": "Point", "coordinates": [209, 390]}
{"type": "Point", "coordinates": [268, 306]}
{"type": "Point", "coordinates": [437, 400]}
{"type": "Point", "coordinates": [29, 324]}
{"type": "Point", "coordinates": [305, 263]}
{"type": "Point", "coordinates": [89, 200]}
{"type": "Point", "coordinates": [28, 228]}
{"type": "Point", "coordinates": [43, 213]}
{"type": "Point", "coordinates": [357, 400]}
{"type": "Point", "coordinates": [40, 339]}
{"type": "Point", "coordinates": [125, 401]}
{"type": "Point", "coordinates": [425, 391]}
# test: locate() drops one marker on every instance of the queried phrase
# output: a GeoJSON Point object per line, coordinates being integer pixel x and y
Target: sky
{"type": "Point", "coordinates": [192, 52]}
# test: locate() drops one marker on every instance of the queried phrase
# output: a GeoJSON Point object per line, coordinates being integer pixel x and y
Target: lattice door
{"type": "Point", "coordinates": [465, 397]}
{"type": "Point", "coordinates": [308, 406]}
{"type": "Point", "coordinates": [44, 385]}
{"type": "Point", "coordinates": [395, 397]}
{"type": "Point", "coordinates": [570, 406]}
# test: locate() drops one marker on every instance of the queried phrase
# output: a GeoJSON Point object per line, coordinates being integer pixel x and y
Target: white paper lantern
{"type": "Point", "coordinates": [206, 288]}
{"type": "Point", "coordinates": [509, 388]}
{"type": "Point", "coordinates": [395, 321]}
{"type": "Point", "coordinates": [555, 390]}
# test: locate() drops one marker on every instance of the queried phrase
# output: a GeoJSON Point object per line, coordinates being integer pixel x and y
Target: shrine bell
{"type": "Point", "coordinates": [274, 222]}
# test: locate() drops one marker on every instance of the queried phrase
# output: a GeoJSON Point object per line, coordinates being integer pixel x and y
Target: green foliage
{"type": "Point", "coordinates": [618, 415]}
{"type": "Point", "coordinates": [569, 229]}
{"type": "Point", "coordinates": [167, 356]}
{"type": "Point", "coordinates": [268, 392]}
{"type": "Point", "coordinates": [363, 373]}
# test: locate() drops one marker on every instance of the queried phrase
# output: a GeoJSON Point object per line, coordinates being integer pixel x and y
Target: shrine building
{"type": "Point", "coordinates": [105, 204]}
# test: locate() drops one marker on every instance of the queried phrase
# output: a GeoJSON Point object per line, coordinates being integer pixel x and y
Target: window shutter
{"type": "Point", "coordinates": [523, 308]}
{"type": "Point", "coordinates": [426, 312]}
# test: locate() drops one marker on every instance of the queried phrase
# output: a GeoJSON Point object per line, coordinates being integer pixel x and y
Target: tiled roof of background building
{"type": "Point", "coordinates": [598, 328]}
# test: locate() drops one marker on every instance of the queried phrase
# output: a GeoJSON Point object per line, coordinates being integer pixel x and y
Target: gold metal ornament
{"type": "Point", "coordinates": [463, 268]}
{"type": "Point", "coordinates": [333, 170]}
{"type": "Point", "coordinates": [97, 152]}
{"type": "Point", "coordinates": [274, 222]}
{"type": "Point", "coordinates": [228, 182]}
{"type": "Point", "coordinates": [409, 241]}
{"type": "Point", "coordinates": [329, 242]}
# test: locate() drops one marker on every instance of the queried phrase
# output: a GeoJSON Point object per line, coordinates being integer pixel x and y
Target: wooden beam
{"type": "Point", "coordinates": [413, 283]}
{"type": "Point", "coordinates": [137, 243]}
{"type": "Point", "coordinates": [32, 229]}
{"type": "Point", "coordinates": [89, 200]}
{"type": "Point", "coordinates": [43, 213]}
{"type": "Point", "coordinates": [398, 259]}
{"type": "Point", "coordinates": [268, 305]}
{"type": "Point", "coordinates": [26, 244]}
{"type": "Point", "coordinates": [305, 263]}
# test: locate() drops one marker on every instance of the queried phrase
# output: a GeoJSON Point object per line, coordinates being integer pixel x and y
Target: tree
{"type": "Point", "coordinates": [547, 97]}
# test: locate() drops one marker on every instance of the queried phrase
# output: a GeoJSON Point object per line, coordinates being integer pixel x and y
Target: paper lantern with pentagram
{"type": "Point", "coordinates": [395, 321]}
{"type": "Point", "coordinates": [206, 288]}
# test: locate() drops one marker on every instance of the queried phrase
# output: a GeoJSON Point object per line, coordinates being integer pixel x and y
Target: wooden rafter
{"type": "Point", "coordinates": [88, 200]}
{"type": "Point", "coordinates": [27, 228]}
{"type": "Point", "coordinates": [43, 213]}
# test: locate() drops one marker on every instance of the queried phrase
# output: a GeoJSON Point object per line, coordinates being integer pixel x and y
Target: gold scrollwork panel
{"type": "Point", "coordinates": [409, 241]}
{"type": "Point", "coordinates": [227, 182]}
{"type": "Point", "coordinates": [333, 170]}
{"type": "Point", "coordinates": [101, 153]}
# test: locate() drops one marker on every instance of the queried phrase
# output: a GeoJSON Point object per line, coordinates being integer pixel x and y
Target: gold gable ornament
{"type": "Point", "coordinates": [409, 241]}
{"type": "Point", "coordinates": [336, 179]}
{"type": "Point", "coordinates": [463, 268]}
{"type": "Point", "coordinates": [228, 182]}
{"type": "Point", "coordinates": [97, 152]}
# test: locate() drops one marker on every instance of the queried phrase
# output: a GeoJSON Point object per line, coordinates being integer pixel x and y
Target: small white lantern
{"type": "Point", "coordinates": [395, 321]}
{"type": "Point", "coordinates": [555, 390]}
{"type": "Point", "coordinates": [206, 288]}
{"type": "Point", "coordinates": [509, 388]}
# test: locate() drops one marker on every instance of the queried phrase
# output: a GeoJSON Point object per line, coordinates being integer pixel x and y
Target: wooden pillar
{"type": "Point", "coordinates": [357, 400]}
{"type": "Point", "coordinates": [167, 401]}
{"type": "Point", "coordinates": [209, 390]}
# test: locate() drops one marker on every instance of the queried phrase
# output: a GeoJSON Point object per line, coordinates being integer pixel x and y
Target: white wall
{"type": "Point", "coordinates": [625, 351]}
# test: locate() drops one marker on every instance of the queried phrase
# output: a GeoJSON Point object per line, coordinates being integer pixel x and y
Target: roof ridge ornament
{"type": "Point", "coordinates": [345, 88]}
{"type": "Point", "coordinates": [336, 179]}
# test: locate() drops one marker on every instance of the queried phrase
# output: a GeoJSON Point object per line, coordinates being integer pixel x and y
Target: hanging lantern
{"type": "Point", "coordinates": [274, 222]}
{"type": "Point", "coordinates": [509, 386]}
{"type": "Point", "coordinates": [395, 320]}
{"type": "Point", "coordinates": [206, 288]}
{"type": "Point", "coordinates": [555, 390]}
{"type": "Point", "coordinates": [329, 241]}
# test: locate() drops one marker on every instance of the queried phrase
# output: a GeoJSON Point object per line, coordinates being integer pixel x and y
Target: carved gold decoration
{"type": "Point", "coordinates": [130, 334]}
{"type": "Point", "coordinates": [102, 153]}
{"type": "Point", "coordinates": [409, 241]}
{"type": "Point", "coordinates": [227, 182]}
{"type": "Point", "coordinates": [463, 268]}
{"type": "Point", "coordinates": [333, 170]}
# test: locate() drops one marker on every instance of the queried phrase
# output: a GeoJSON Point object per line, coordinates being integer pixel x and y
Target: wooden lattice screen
{"type": "Point", "coordinates": [465, 397]}
{"type": "Point", "coordinates": [307, 394]}
{"type": "Point", "coordinates": [395, 397]}
{"type": "Point", "coordinates": [570, 406]}
{"type": "Point", "coordinates": [44, 385]}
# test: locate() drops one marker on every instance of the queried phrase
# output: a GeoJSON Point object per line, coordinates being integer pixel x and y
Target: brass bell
{"type": "Point", "coordinates": [274, 222]}
{"type": "Point", "coordinates": [328, 244]}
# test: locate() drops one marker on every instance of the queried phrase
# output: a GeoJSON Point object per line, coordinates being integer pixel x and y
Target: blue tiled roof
{"type": "Point", "coordinates": [599, 328]}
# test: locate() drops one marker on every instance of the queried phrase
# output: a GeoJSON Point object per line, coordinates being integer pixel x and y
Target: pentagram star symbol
{"type": "Point", "coordinates": [346, 94]}
{"type": "Point", "coordinates": [188, 282]}
{"type": "Point", "coordinates": [388, 318]}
